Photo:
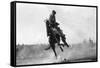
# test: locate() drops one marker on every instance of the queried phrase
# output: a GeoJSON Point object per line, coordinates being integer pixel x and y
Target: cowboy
{"type": "Point", "coordinates": [52, 19]}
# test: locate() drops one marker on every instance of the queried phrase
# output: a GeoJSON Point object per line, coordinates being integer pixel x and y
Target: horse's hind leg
{"type": "Point", "coordinates": [53, 48]}
{"type": "Point", "coordinates": [52, 44]}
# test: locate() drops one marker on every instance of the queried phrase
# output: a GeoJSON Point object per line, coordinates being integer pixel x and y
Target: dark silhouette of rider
{"type": "Point", "coordinates": [52, 19]}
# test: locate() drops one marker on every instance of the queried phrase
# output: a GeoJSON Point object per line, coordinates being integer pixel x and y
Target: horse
{"type": "Point", "coordinates": [54, 38]}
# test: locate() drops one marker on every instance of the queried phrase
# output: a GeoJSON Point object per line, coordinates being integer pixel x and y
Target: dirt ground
{"type": "Point", "coordinates": [36, 54]}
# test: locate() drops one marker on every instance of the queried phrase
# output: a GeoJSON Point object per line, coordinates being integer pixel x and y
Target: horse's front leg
{"type": "Point", "coordinates": [60, 45]}
{"type": "Point", "coordinates": [61, 49]}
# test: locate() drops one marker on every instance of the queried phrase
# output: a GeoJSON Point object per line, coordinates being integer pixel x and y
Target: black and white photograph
{"type": "Point", "coordinates": [50, 33]}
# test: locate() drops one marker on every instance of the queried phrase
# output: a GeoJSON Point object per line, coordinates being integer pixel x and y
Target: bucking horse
{"type": "Point", "coordinates": [54, 38]}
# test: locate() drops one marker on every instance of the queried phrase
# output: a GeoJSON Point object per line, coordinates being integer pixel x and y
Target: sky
{"type": "Point", "coordinates": [77, 23]}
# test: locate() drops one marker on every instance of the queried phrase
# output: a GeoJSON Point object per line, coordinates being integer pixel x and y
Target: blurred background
{"type": "Point", "coordinates": [77, 23]}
